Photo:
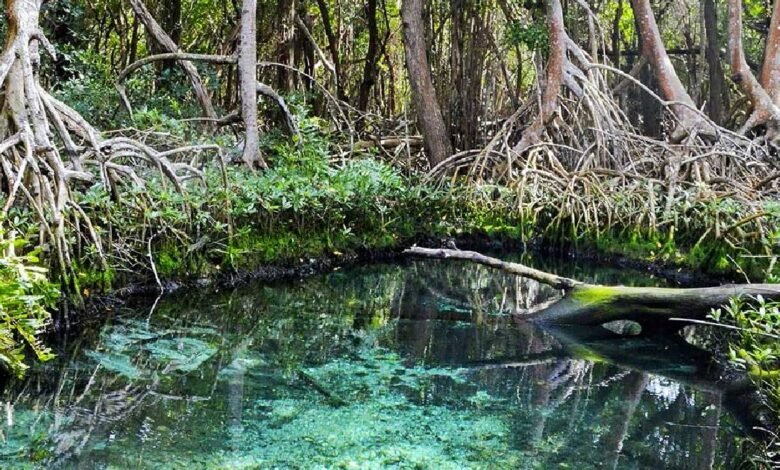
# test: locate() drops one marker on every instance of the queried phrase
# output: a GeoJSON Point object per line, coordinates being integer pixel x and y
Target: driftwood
{"type": "Point", "coordinates": [588, 304]}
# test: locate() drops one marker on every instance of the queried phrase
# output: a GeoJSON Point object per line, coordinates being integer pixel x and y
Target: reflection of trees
{"type": "Point", "coordinates": [561, 390]}
{"type": "Point", "coordinates": [634, 384]}
{"type": "Point", "coordinates": [582, 386]}
{"type": "Point", "coordinates": [680, 432]}
{"type": "Point", "coordinates": [459, 291]}
{"type": "Point", "coordinates": [87, 397]}
{"type": "Point", "coordinates": [112, 377]}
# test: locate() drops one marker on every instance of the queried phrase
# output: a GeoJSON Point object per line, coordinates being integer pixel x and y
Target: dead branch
{"type": "Point", "coordinates": [553, 280]}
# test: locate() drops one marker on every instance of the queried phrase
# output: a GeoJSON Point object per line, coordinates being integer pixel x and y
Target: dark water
{"type": "Point", "coordinates": [406, 366]}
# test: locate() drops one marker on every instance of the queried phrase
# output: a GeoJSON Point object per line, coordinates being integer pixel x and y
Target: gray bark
{"type": "Point", "coordinates": [247, 70]}
{"type": "Point", "coordinates": [429, 116]}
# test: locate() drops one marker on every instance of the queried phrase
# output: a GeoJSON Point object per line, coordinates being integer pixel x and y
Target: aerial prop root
{"type": "Point", "coordinates": [47, 148]}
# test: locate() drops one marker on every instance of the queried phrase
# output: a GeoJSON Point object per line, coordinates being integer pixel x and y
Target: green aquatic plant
{"type": "Point", "coordinates": [137, 352]}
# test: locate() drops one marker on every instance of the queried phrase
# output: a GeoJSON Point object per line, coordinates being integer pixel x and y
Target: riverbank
{"type": "Point", "coordinates": [309, 214]}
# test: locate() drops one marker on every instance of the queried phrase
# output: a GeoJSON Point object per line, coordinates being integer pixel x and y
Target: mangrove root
{"type": "Point", "coordinates": [47, 148]}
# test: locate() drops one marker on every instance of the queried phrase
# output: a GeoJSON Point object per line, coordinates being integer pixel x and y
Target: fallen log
{"type": "Point", "coordinates": [589, 304]}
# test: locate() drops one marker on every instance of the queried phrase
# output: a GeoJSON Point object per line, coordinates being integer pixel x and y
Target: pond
{"type": "Point", "coordinates": [413, 365]}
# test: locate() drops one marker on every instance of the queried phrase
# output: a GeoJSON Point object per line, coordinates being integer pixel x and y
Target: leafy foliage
{"type": "Point", "coordinates": [25, 293]}
{"type": "Point", "coordinates": [758, 348]}
{"type": "Point", "coordinates": [304, 206]}
{"type": "Point", "coordinates": [534, 36]}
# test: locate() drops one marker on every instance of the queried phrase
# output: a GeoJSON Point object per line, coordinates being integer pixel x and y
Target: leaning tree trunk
{"type": "Point", "coordinates": [654, 308]}
{"type": "Point", "coordinates": [429, 115]}
{"type": "Point", "coordinates": [689, 120]}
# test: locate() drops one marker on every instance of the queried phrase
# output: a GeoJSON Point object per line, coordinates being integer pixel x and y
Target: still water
{"type": "Point", "coordinates": [422, 364]}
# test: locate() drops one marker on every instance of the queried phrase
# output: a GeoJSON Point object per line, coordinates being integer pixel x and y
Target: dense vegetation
{"type": "Point", "coordinates": [131, 150]}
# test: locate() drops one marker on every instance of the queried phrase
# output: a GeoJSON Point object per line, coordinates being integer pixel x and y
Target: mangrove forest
{"type": "Point", "coordinates": [518, 234]}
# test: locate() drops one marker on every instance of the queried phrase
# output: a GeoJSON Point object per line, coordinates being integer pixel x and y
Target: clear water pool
{"type": "Point", "coordinates": [417, 365]}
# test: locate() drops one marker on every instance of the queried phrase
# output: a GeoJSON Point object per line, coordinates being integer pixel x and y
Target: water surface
{"type": "Point", "coordinates": [418, 365]}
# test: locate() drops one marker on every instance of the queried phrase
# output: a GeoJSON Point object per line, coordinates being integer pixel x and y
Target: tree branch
{"type": "Point", "coordinates": [518, 269]}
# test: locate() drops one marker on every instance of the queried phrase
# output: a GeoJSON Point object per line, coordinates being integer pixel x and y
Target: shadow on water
{"type": "Point", "coordinates": [426, 364]}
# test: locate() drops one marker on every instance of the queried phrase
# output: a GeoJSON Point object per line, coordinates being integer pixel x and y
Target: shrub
{"type": "Point", "coordinates": [25, 294]}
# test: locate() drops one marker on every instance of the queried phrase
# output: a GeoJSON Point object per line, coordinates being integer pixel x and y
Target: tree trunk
{"type": "Point", "coordinates": [247, 69]}
{"type": "Point", "coordinates": [770, 69]}
{"type": "Point", "coordinates": [170, 21]}
{"type": "Point", "coordinates": [669, 82]}
{"type": "Point", "coordinates": [308, 48]}
{"type": "Point", "coordinates": [133, 53]}
{"type": "Point", "coordinates": [616, 34]}
{"type": "Point", "coordinates": [437, 138]}
{"type": "Point", "coordinates": [285, 49]}
{"type": "Point", "coordinates": [718, 93]}
{"type": "Point", "coordinates": [764, 110]}
{"type": "Point", "coordinates": [556, 65]}
{"type": "Point", "coordinates": [469, 51]}
{"type": "Point", "coordinates": [586, 304]}
{"type": "Point", "coordinates": [370, 67]}
{"type": "Point", "coordinates": [333, 47]}
{"type": "Point", "coordinates": [651, 307]}
{"type": "Point", "coordinates": [651, 111]}
{"type": "Point", "coordinates": [168, 45]}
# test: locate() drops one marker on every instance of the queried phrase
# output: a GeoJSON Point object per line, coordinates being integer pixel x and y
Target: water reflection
{"type": "Point", "coordinates": [425, 364]}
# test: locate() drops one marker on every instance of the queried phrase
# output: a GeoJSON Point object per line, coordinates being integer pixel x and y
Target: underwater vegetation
{"type": "Point", "coordinates": [408, 366]}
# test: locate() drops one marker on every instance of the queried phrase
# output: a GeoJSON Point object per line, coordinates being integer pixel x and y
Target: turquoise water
{"type": "Point", "coordinates": [414, 365]}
